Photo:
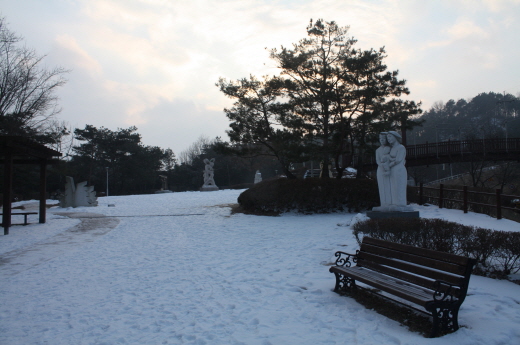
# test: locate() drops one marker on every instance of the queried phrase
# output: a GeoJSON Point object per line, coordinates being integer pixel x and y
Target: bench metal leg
{"type": "Point", "coordinates": [444, 319]}
{"type": "Point", "coordinates": [25, 219]}
{"type": "Point", "coordinates": [344, 283]}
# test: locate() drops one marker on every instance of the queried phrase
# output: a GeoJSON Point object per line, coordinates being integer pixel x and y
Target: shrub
{"type": "Point", "coordinates": [312, 195]}
{"type": "Point", "coordinates": [508, 254]}
{"type": "Point", "coordinates": [497, 252]}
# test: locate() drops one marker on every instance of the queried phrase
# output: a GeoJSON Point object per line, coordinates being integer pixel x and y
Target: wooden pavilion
{"type": "Point", "coordinates": [21, 150]}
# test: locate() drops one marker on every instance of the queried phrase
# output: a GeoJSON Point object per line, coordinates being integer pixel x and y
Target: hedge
{"type": "Point", "coordinates": [497, 252]}
{"type": "Point", "coordinates": [312, 195]}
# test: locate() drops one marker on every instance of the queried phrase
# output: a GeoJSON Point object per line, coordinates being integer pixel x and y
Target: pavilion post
{"type": "Point", "coordinates": [8, 191]}
{"type": "Point", "coordinates": [43, 190]}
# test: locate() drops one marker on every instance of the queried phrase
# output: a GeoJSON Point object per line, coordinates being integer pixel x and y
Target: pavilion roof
{"type": "Point", "coordinates": [25, 150]}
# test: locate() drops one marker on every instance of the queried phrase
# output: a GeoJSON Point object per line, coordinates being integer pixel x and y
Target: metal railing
{"type": "Point", "coordinates": [462, 197]}
{"type": "Point", "coordinates": [479, 146]}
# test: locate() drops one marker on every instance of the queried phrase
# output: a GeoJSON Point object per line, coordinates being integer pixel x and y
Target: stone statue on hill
{"type": "Point", "coordinates": [209, 181]}
{"type": "Point", "coordinates": [258, 177]}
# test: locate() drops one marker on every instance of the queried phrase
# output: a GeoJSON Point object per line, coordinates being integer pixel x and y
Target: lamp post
{"type": "Point", "coordinates": [437, 141]}
{"type": "Point", "coordinates": [107, 180]}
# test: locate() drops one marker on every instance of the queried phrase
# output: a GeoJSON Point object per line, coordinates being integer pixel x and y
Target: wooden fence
{"type": "Point", "coordinates": [481, 202]}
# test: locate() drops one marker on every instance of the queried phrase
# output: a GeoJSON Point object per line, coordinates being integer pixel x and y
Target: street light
{"type": "Point", "coordinates": [437, 127]}
{"type": "Point", "coordinates": [107, 180]}
{"type": "Point", "coordinates": [460, 141]}
{"type": "Point", "coordinates": [506, 113]}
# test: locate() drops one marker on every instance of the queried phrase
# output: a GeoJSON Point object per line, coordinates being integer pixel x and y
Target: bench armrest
{"type": "Point", "coordinates": [345, 259]}
{"type": "Point", "coordinates": [443, 291]}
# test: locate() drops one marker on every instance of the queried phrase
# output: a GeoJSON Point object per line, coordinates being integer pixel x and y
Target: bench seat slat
{"type": "Point", "coordinates": [412, 278]}
{"type": "Point", "coordinates": [21, 213]}
{"type": "Point", "coordinates": [410, 292]}
{"type": "Point", "coordinates": [24, 214]}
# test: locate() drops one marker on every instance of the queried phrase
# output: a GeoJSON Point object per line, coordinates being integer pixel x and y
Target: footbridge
{"type": "Point", "coordinates": [499, 149]}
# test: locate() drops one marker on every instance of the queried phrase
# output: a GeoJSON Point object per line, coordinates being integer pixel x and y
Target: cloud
{"type": "Point", "coordinates": [160, 51]}
{"type": "Point", "coordinates": [500, 5]}
{"type": "Point", "coordinates": [464, 29]}
{"type": "Point", "coordinates": [69, 51]}
{"type": "Point", "coordinates": [157, 53]}
{"type": "Point", "coordinates": [154, 63]}
{"type": "Point", "coordinates": [179, 123]}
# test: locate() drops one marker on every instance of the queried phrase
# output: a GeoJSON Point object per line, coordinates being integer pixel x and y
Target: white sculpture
{"type": "Point", "coordinates": [164, 185]}
{"type": "Point", "coordinates": [78, 195]}
{"type": "Point", "coordinates": [164, 182]}
{"type": "Point", "coordinates": [209, 182]}
{"type": "Point", "coordinates": [391, 174]}
{"type": "Point", "coordinates": [258, 177]}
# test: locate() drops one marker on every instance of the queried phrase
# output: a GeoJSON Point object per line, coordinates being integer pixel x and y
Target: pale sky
{"type": "Point", "coordinates": [153, 64]}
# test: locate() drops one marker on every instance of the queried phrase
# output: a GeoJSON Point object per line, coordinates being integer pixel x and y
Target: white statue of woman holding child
{"type": "Point", "coordinates": [391, 173]}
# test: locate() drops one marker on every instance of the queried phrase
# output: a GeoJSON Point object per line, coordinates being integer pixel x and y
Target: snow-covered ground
{"type": "Point", "coordinates": [180, 269]}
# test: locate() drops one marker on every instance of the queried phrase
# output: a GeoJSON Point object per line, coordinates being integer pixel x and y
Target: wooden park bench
{"type": "Point", "coordinates": [435, 281]}
{"type": "Point", "coordinates": [24, 214]}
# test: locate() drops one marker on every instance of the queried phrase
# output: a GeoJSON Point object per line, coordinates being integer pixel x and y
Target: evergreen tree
{"type": "Point", "coordinates": [327, 103]}
{"type": "Point", "coordinates": [132, 167]}
{"type": "Point", "coordinates": [262, 124]}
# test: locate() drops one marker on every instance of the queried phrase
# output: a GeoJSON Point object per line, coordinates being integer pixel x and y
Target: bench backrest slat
{"type": "Point", "coordinates": [416, 265]}
{"type": "Point", "coordinates": [427, 253]}
{"type": "Point", "coordinates": [415, 259]}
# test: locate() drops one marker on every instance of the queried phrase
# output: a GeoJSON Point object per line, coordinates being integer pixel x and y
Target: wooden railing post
{"type": "Point", "coordinates": [441, 195]}
{"type": "Point", "coordinates": [465, 199]}
{"type": "Point", "coordinates": [499, 205]}
{"type": "Point", "coordinates": [421, 194]}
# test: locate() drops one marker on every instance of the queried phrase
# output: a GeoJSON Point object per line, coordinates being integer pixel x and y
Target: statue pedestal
{"type": "Point", "coordinates": [209, 188]}
{"type": "Point", "coordinates": [163, 191]}
{"type": "Point", "coordinates": [392, 214]}
{"type": "Point", "coordinates": [258, 177]}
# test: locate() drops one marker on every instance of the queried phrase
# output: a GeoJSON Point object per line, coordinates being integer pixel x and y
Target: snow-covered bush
{"type": "Point", "coordinates": [311, 195]}
{"type": "Point", "coordinates": [497, 252]}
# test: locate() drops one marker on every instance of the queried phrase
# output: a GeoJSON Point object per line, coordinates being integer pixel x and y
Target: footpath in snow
{"type": "Point", "coordinates": [179, 268]}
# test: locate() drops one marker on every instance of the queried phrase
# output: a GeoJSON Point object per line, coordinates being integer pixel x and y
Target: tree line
{"type": "Point", "coordinates": [120, 159]}
{"type": "Point", "coordinates": [485, 116]}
